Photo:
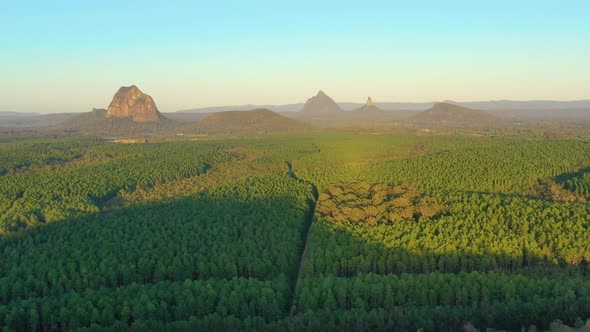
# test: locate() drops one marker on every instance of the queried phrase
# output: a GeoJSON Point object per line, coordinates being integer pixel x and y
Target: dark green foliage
{"type": "Point", "coordinates": [409, 232]}
{"type": "Point", "coordinates": [479, 232]}
{"type": "Point", "coordinates": [137, 304]}
{"type": "Point", "coordinates": [578, 183]}
{"type": "Point", "coordinates": [247, 229]}
{"type": "Point", "coordinates": [24, 155]}
{"type": "Point", "coordinates": [73, 190]}
{"type": "Point", "coordinates": [445, 302]}
{"type": "Point", "coordinates": [250, 229]}
{"type": "Point", "coordinates": [493, 165]}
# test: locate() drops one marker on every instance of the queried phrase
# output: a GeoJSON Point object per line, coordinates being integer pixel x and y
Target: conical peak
{"type": "Point", "coordinates": [320, 103]}
{"type": "Point", "coordinates": [369, 101]}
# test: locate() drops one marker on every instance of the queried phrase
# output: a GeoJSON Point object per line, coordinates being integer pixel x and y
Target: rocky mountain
{"type": "Point", "coordinates": [368, 107]}
{"type": "Point", "coordinates": [453, 114]}
{"type": "Point", "coordinates": [369, 114]}
{"type": "Point", "coordinates": [258, 121]}
{"type": "Point", "coordinates": [320, 105]}
{"type": "Point", "coordinates": [130, 113]}
{"type": "Point", "coordinates": [130, 102]}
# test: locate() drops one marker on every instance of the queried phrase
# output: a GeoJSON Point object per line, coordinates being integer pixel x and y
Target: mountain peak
{"type": "Point", "coordinates": [129, 101]}
{"type": "Point", "coordinates": [131, 88]}
{"type": "Point", "coordinates": [320, 104]}
{"type": "Point", "coordinates": [368, 107]}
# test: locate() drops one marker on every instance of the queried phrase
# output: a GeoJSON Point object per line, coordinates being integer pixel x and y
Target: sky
{"type": "Point", "coordinates": [71, 56]}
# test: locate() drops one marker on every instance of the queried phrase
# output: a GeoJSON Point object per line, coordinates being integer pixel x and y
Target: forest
{"type": "Point", "coordinates": [310, 231]}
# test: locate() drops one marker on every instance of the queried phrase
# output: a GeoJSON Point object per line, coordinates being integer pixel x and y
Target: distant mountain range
{"type": "Point", "coordinates": [16, 119]}
{"type": "Point", "coordinates": [131, 112]}
{"type": "Point", "coordinates": [493, 105]}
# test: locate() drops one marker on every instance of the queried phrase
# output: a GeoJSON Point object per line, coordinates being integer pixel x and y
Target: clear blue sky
{"type": "Point", "coordinates": [73, 55]}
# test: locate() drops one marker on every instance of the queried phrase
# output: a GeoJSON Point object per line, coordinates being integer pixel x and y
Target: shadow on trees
{"type": "Point", "coordinates": [352, 283]}
{"type": "Point", "coordinates": [568, 176]}
{"type": "Point", "coordinates": [225, 262]}
{"type": "Point", "coordinates": [187, 239]}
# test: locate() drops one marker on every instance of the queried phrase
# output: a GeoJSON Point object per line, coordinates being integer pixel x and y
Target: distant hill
{"type": "Point", "coordinates": [320, 106]}
{"type": "Point", "coordinates": [17, 119]}
{"type": "Point", "coordinates": [526, 104]}
{"type": "Point", "coordinates": [533, 109]}
{"type": "Point", "coordinates": [275, 108]}
{"type": "Point", "coordinates": [452, 114]}
{"type": "Point", "coordinates": [130, 108]}
{"type": "Point", "coordinates": [368, 114]}
{"type": "Point", "coordinates": [244, 122]}
{"type": "Point", "coordinates": [185, 117]}
{"type": "Point", "coordinates": [130, 102]}
{"type": "Point", "coordinates": [368, 108]}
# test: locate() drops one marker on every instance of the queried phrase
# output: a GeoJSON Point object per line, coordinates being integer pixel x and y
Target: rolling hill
{"type": "Point", "coordinates": [258, 121]}
{"type": "Point", "coordinates": [446, 113]}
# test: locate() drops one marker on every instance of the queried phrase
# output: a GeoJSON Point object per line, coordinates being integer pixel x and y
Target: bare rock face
{"type": "Point", "coordinates": [130, 102]}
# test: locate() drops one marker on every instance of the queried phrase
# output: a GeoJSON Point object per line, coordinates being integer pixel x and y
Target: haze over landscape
{"type": "Point", "coordinates": [62, 57]}
{"type": "Point", "coordinates": [301, 166]}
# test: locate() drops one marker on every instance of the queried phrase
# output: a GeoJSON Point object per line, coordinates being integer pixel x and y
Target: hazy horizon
{"type": "Point", "coordinates": [341, 103]}
{"type": "Point", "coordinates": [70, 57]}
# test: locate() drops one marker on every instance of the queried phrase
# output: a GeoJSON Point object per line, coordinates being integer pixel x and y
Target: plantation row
{"type": "Point", "coordinates": [24, 155]}
{"type": "Point", "coordinates": [247, 229]}
{"type": "Point", "coordinates": [478, 232]}
{"type": "Point", "coordinates": [580, 184]}
{"type": "Point", "coordinates": [43, 197]}
{"type": "Point", "coordinates": [447, 301]}
{"type": "Point", "coordinates": [163, 302]}
{"type": "Point", "coordinates": [510, 167]}
{"type": "Point", "coordinates": [409, 232]}
{"type": "Point", "coordinates": [500, 165]}
{"type": "Point", "coordinates": [375, 262]}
